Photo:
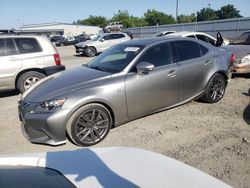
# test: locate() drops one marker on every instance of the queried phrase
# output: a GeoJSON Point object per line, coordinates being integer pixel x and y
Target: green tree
{"type": "Point", "coordinates": [206, 14]}
{"type": "Point", "coordinates": [227, 12]}
{"type": "Point", "coordinates": [186, 18]}
{"type": "Point", "coordinates": [94, 21]}
{"type": "Point", "coordinates": [153, 17]}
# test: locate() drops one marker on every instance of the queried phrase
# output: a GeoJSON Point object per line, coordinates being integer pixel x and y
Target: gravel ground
{"type": "Point", "coordinates": [214, 138]}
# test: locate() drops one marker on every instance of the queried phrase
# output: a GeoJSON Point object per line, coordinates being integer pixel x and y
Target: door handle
{"type": "Point", "coordinates": [172, 74]}
{"type": "Point", "coordinates": [14, 58]}
{"type": "Point", "coordinates": [208, 62]}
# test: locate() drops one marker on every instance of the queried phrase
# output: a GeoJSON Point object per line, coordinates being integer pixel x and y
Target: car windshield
{"type": "Point", "coordinates": [98, 37]}
{"type": "Point", "coordinates": [242, 39]}
{"type": "Point", "coordinates": [116, 58]}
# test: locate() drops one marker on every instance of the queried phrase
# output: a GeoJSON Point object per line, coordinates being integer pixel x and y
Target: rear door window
{"type": "Point", "coordinates": [27, 45]}
{"type": "Point", "coordinates": [187, 50]}
{"type": "Point", "coordinates": [10, 47]}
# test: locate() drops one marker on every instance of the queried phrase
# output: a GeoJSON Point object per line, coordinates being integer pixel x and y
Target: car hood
{"type": "Point", "coordinates": [87, 43]}
{"type": "Point", "coordinates": [114, 167]}
{"type": "Point", "coordinates": [64, 82]}
{"type": "Point", "coordinates": [238, 50]}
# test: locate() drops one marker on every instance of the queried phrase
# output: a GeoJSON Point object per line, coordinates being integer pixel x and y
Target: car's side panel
{"type": "Point", "coordinates": [110, 93]}
{"type": "Point", "coordinates": [193, 74]}
{"type": "Point", "coordinates": [153, 91]}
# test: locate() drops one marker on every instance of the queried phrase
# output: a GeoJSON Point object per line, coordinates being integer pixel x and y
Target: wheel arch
{"type": "Point", "coordinates": [92, 102]}
{"type": "Point", "coordinates": [223, 73]}
{"type": "Point", "coordinates": [28, 70]}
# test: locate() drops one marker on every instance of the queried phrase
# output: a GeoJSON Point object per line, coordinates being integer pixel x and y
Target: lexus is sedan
{"type": "Point", "coordinates": [126, 82]}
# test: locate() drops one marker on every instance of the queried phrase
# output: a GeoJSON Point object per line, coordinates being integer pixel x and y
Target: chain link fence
{"type": "Point", "coordinates": [229, 28]}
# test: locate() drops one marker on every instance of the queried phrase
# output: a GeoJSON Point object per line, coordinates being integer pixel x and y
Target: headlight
{"type": "Point", "coordinates": [246, 59]}
{"type": "Point", "coordinates": [57, 103]}
{"type": "Point", "coordinates": [49, 106]}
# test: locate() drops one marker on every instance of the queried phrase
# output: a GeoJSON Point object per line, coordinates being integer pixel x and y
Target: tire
{"type": "Point", "coordinates": [215, 89]}
{"type": "Point", "coordinates": [28, 79]}
{"type": "Point", "coordinates": [89, 125]}
{"type": "Point", "coordinates": [90, 51]}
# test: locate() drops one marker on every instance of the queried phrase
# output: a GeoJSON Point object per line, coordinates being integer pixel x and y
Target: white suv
{"type": "Point", "coordinates": [25, 59]}
{"type": "Point", "coordinates": [113, 26]}
{"type": "Point", "coordinates": [100, 43]}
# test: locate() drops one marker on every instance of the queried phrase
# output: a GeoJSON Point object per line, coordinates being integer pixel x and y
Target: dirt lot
{"type": "Point", "coordinates": [214, 138]}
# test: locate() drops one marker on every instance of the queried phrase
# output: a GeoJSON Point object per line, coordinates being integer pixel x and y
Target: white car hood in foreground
{"type": "Point", "coordinates": [117, 167]}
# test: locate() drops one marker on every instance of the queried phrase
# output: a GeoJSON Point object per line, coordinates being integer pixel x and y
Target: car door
{"type": "Point", "coordinates": [194, 61]}
{"type": "Point", "coordinates": [105, 42]}
{"type": "Point", "coordinates": [10, 63]}
{"type": "Point", "coordinates": [147, 93]}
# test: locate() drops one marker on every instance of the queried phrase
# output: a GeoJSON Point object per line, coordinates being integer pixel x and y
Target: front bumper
{"type": "Point", "coordinates": [53, 69]}
{"type": "Point", "coordinates": [79, 49]}
{"type": "Point", "coordinates": [42, 128]}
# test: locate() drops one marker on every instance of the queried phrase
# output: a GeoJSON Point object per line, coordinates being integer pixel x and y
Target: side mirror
{"type": "Point", "coordinates": [102, 40]}
{"type": "Point", "coordinates": [144, 67]}
{"type": "Point", "coordinates": [220, 40]}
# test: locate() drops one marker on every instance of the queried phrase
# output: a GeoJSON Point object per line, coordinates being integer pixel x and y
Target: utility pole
{"type": "Point", "coordinates": [209, 6]}
{"type": "Point", "coordinates": [177, 11]}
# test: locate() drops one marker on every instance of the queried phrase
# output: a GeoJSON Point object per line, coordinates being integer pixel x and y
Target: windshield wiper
{"type": "Point", "coordinates": [96, 67]}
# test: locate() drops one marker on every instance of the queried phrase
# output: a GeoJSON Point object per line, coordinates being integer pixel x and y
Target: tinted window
{"type": "Point", "coordinates": [108, 37]}
{"type": "Point", "coordinates": [187, 50]}
{"type": "Point", "coordinates": [27, 45]}
{"type": "Point", "coordinates": [206, 39]}
{"type": "Point", "coordinates": [118, 36]}
{"type": "Point", "coordinates": [2, 47]}
{"type": "Point", "coordinates": [191, 36]}
{"type": "Point", "coordinates": [204, 50]}
{"type": "Point", "coordinates": [158, 55]}
{"type": "Point", "coordinates": [10, 47]}
{"type": "Point", "coordinates": [30, 177]}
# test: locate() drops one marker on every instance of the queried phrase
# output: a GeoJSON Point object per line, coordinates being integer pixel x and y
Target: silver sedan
{"type": "Point", "coordinates": [128, 81]}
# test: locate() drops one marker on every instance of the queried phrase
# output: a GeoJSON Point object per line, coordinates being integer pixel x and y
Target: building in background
{"type": "Point", "coordinates": [57, 28]}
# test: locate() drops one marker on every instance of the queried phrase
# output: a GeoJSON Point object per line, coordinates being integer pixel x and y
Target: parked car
{"type": "Point", "coordinates": [163, 33]}
{"type": "Point", "coordinates": [100, 43]}
{"type": "Point", "coordinates": [108, 167]}
{"type": "Point", "coordinates": [202, 36]}
{"type": "Point", "coordinates": [241, 48]}
{"type": "Point", "coordinates": [71, 40]}
{"type": "Point", "coordinates": [25, 59]}
{"type": "Point", "coordinates": [127, 81]}
{"type": "Point", "coordinates": [113, 26]}
{"type": "Point", "coordinates": [56, 38]}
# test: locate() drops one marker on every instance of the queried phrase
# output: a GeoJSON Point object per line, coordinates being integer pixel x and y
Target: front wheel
{"type": "Point", "coordinates": [28, 79]}
{"type": "Point", "coordinates": [90, 51]}
{"type": "Point", "coordinates": [215, 89]}
{"type": "Point", "coordinates": [89, 125]}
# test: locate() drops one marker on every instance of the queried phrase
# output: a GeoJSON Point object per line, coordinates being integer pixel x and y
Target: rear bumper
{"type": "Point", "coordinates": [54, 69]}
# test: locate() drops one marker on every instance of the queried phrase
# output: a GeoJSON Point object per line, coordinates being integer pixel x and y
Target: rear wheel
{"type": "Point", "coordinates": [28, 79]}
{"type": "Point", "coordinates": [215, 89]}
{"type": "Point", "coordinates": [90, 51]}
{"type": "Point", "coordinates": [89, 125]}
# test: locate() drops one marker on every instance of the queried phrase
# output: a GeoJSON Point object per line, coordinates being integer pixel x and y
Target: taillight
{"type": "Point", "coordinates": [232, 59]}
{"type": "Point", "coordinates": [57, 59]}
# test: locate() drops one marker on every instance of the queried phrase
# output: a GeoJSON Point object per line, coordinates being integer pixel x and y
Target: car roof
{"type": "Point", "coordinates": [183, 33]}
{"type": "Point", "coordinates": [20, 35]}
{"type": "Point", "coordinates": [154, 40]}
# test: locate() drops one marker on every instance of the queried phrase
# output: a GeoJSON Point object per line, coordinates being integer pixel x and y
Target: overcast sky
{"type": "Point", "coordinates": [15, 13]}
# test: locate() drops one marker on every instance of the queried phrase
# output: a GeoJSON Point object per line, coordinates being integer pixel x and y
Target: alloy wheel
{"type": "Point", "coordinates": [92, 126]}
